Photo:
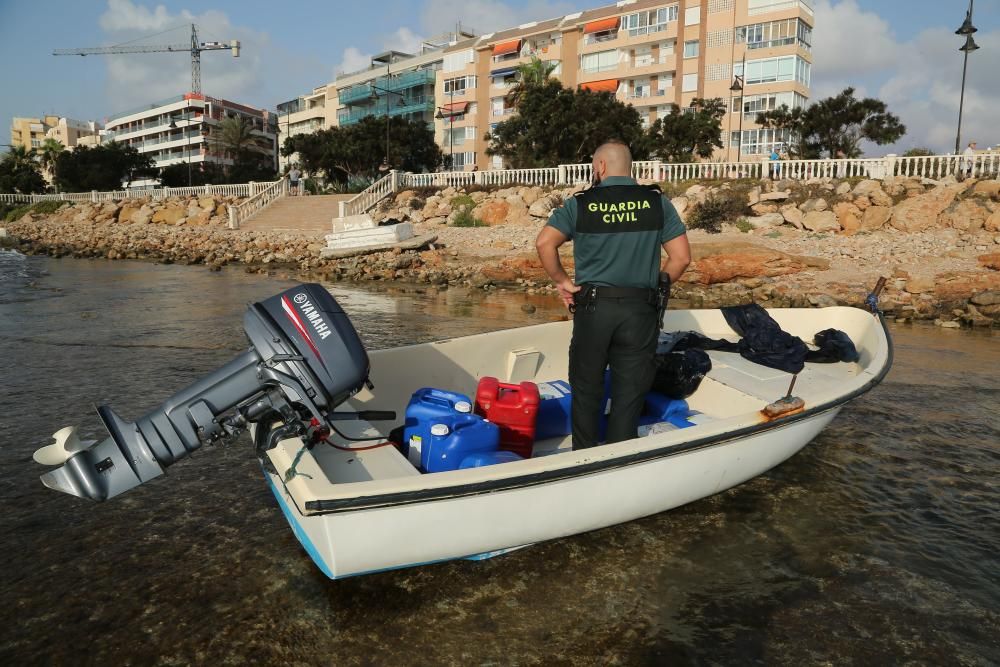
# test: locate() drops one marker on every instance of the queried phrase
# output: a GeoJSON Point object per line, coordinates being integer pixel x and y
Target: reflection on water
{"type": "Point", "coordinates": [876, 545]}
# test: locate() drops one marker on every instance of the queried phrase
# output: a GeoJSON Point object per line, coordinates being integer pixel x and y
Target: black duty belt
{"type": "Point", "coordinates": [589, 292]}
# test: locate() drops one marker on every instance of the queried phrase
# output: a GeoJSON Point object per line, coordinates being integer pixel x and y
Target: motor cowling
{"type": "Point", "coordinates": [305, 359]}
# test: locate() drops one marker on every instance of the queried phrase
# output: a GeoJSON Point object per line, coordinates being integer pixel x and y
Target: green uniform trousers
{"type": "Point", "coordinates": [620, 333]}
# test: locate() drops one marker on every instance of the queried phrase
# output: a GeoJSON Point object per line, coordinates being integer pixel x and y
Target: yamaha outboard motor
{"type": "Point", "coordinates": [305, 359]}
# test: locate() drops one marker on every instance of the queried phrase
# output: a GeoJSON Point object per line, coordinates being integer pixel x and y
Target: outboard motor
{"type": "Point", "coordinates": [305, 359]}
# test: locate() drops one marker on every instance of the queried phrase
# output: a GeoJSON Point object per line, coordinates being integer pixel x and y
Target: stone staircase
{"type": "Point", "coordinates": [312, 215]}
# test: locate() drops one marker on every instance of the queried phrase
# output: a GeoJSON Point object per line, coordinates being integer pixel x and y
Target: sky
{"type": "Point", "coordinates": [904, 52]}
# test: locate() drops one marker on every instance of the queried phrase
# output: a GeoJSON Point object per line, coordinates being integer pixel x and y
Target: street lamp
{"type": "Point", "coordinates": [451, 126]}
{"type": "Point", "coordinates": [173, 126]}
{"type": "Point", "coordinates": [970, 45]}
{"type": "Point", "coordinates": [737, 87]}
{"type": "Point", "coordinates": [384, 167]}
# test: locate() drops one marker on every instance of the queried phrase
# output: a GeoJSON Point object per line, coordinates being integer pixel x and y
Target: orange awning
{"type": "Point", "coordinates": [503, 48]}
{"type": "Point", "coordinates": [602, 25]}
{"type": "Point", "coordinates": [607, 85]}
{"type": "Point", "coordinates": [454, 109]}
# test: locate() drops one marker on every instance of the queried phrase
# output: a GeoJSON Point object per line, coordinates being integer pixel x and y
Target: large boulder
{"type": "Point", "coordinates": [681, 205]}
{"type": "Point", "coordinates": [542, 208]}
{"type": "Point", "coordinates": [987, 298]}
{"type": "Point", "coordinates": [921, 212]}
{"type": "Point", "coordinates": [987, 189]}
{"type": "Point", "coordinates": [966, 215]}
{"type": "Point", "coordinates": [722, 262]}
{"type": "Point", "coordinates": [992, 223]}
{"type": "Point", "coordinates": [880, 198]}
{"type": "Point", "coordinates": [792, 215]}
{"type": "Point", "coordinates": [990, 261]}
{"type": "Point", "coordinates": [867, 187]}
{"type": "Point", "coordinates": [821, 221]}
{"type": "Point", "coordinates": [810, 205]}
{"type": "Point", "coordinates": [849, 217]}
{"type": "Point", "coordinates": [777, 195]}
{"type": "Point", "coordinates": [875, 218]}
{"type": "Point", "coordinates": [492, 212]}
{"type": "Point", "coordinates": [142, 216]}
{"type": "Point", "coordinates": [766, 220]}
{"type": "Point", "coordinates": [169, 215]}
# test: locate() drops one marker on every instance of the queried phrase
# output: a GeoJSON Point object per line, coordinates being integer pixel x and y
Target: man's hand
{"type": "Point", "coordinates": [567, 288]}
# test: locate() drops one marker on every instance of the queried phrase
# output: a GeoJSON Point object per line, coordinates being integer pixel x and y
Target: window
{"type": "Point", "coordinates": [757, 142]}
{"type": "Point", "coordinates": [756, 104]}
{"type": "Point", "coordinates": [664, 81]}
{"type": "Point", "coordinates": [692, 16]}
{"type": "Point", "coordinates": [769, 70]}
{"type": "Point", "coordinates": [691, 49]}
{"type": "Point", "coordinates": [643, 23]}
{"type": "Point", "coordinates": [666, 50]}
{"type": "Point", "coordinates": [458, 61]}
{"type": "Point", "coordinates": [463, 160]}
{"type": "Point", "coordinates": [458, 136]}
{"type": "Point", "coordinates": [640, 88]}
{"type": "Point", "coordinates": [459, 85]}
{"type": "Point", "coordinates": [690, 83]}
{"type": "Point", "coordinates": [775, 33]}
{"type": "Point", "coordinates": [601, 61]}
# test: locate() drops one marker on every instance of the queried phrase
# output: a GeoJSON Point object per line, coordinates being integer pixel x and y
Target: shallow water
{"type": "Point", "coordinates": [875, 545]}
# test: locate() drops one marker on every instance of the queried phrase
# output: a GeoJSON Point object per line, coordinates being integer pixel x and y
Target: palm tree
{"type": "Point", "coordinates": [530, 74]}
{"type": "Point", "coordinates": [20, 155]}
{"type": "Point", "coordinates": [235, 136]}
{"type": "Point", "coordinates": [48, 154]}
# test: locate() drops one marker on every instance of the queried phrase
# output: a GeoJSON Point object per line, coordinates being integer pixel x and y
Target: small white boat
{"type": "Point", "coordinates": [358, 512]}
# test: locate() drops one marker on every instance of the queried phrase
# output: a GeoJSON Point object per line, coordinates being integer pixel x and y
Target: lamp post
{"type": "Point", "coordinates": [970, 45]}
{"type": "Point", "coordinates": [173, 126]}
{"type": "Point", "coordinates": [384, 167]}
{"type": "Point", "coordinates": [737, 87]}
{"type": "Point", "coordinates": [451, 127]}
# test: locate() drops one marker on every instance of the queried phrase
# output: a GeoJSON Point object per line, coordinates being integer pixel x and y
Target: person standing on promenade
{"type": "Point", "coordinates": [293, 179]}
{"type": "Point", "coordinates": [618, 228]}
{"type": "Point", "coordinates": [970, 158]}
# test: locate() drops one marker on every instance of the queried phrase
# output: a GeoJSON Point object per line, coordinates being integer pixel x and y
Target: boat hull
{"type": "Point", "coordinates": [366, 540]}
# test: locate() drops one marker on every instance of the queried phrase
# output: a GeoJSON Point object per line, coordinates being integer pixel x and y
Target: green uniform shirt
{"type": "Point", "coordinates": [617, 259]}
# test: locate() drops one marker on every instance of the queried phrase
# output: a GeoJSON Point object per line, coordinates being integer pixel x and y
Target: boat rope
{"type": "Point", "coordinates": [292, 472]}
{"type": "Point", "coordinates": [358, 449]}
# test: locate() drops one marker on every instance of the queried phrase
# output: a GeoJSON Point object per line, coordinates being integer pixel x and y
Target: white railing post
{"type": "Point", "coordinates": [561, 178]}
{"type": "Point", "coordinates": [233, 224]}
{"type": "Point", "coordinates": [93, 195]}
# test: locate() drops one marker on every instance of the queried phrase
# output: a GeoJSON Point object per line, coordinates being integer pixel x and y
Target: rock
{"type": "Point", "coordinates": [921, 212]}
{"type": "Point", "coordinates": [990, 261]}
{"type": "Point", "coordinates": [530, 195]}
{"type": "Point", "coordinates": [207, 204]}
{"type": "Point", "coordinates": [143, 215]}
{"type": "Point", "coordinates": [527, 308]}
{"type": "Point", "coordinates": [695, 191]}
{"type": "Point", "coordinates": [821, 221]}
{"type": "Point", "coordinates": [843, 188]}
{"type": "Point", "coordinates": [170, 216]}
{"type": "Point", "coordinates": [862, 202]}
{"type": "Point", "coordinates": [880, 198]}
{"type": "Point", "coordinates": [767, 220]}
{"type": "Point", "coordinates": [127, 211]}
{"type": "Point", "coordinates": [976, 318]}
{"type": "Point", "coordinates": [949, 324]}
{"type": "Point", "coordinates": [989, 189]}
{"type": "Point", "coordinates": [681, 205]}
{"type": "Point", "coordinates": [792, 215]}
{"type": "Point", "coordinates": [753, 196]}
{"type": "Point", "coordinates": [719, 263]}
{"type": "Point", "coordinates": [777, 195]}
{"type": "Point", "coordinates": [919, 285]}
{"type": "Point", "coordinates": [541, 208]}
{"type": "Point", "coordinates": [866, 187]}
{"type": "Point", "coordinates": [764, 209]}
{"type": "Point", "coordinates": [822, 301]}
{"type": "Point", "coordinates": [492, 212]}
{"type": "Point", "coordinates": [992, 223]}
{"type": "Point", "coordinates": [966, 215]}
{"type": "Point", "coordinates": [987, 298]}
{"type": "Point", "coordinates": [404, 197]}
{"type": "Point", "coordinates": [875, 218]}
{"type": "Point", "coordinates": [810, 205]}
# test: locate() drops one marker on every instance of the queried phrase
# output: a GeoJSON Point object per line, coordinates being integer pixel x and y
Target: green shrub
{"type": "Point", "coordinates": [464, 218]}
{"type": "Point", "coordinates": [744, 225]}
{"type": "Point", "coordinates": [46, 207]}
{"type": "Point", "coordinates": [459, 201]}
{"type": "Point", "coordinates": [715, 210]}
{"type": "Point", "coordinates": [17, 213]}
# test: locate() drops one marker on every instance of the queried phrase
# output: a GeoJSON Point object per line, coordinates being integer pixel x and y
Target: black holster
{"type": "Point", "coordinates": [662, 296]}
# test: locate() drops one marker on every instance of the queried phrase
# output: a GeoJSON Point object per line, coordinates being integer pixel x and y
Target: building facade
{"type": "Point", "coordinates": [755, 55]}
{"type": "Point", "coordinates": [305, 115]}
{"type": "Point", "coordinates": [185, 129]}
{"type": "Point", "coordinates": [31, 133]}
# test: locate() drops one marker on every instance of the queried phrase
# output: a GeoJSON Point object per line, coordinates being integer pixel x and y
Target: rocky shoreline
{"type": "Point", "coordinates": [815, 244]}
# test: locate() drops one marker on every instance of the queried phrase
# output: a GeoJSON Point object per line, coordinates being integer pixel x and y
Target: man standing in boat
{"type": "Point", "coordinates": [618, 228]}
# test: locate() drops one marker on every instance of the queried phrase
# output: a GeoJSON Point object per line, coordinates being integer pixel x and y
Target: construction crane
{"type": "Point", "coordinates": [195, 48]}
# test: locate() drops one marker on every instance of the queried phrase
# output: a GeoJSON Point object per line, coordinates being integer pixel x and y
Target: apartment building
{"type": "Point", "coordinates": [184, 129]}
{"type": "Point", "coordinates": [32, 132]}
{"type": "Point", "coordinates": [304, 115]}
{"type": "Point", "coordinates": [753, 54]}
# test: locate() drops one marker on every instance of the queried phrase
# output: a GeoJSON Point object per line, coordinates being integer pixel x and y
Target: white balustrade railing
{"type": "Point", "coordinates": [233, 190]}
{"type": "Point", "coordinates": [264, 195]}
{"type": "Point", "coordinates": [373, 194]}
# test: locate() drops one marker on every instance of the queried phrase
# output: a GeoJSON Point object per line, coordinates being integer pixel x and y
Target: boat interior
{"type": "Point", "coordinates": [730, 397]}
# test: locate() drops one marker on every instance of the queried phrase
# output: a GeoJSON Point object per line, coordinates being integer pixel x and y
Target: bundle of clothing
{"type": "Point", "coordinates": [681, 361]}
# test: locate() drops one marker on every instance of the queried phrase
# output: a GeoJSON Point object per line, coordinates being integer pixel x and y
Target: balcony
{"type": "Point", "coordinates": [599, 38]}
{"type": "Point", "coordinates": [395, 83]}
{"type": "Point", "coordinates": [421, 105]}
